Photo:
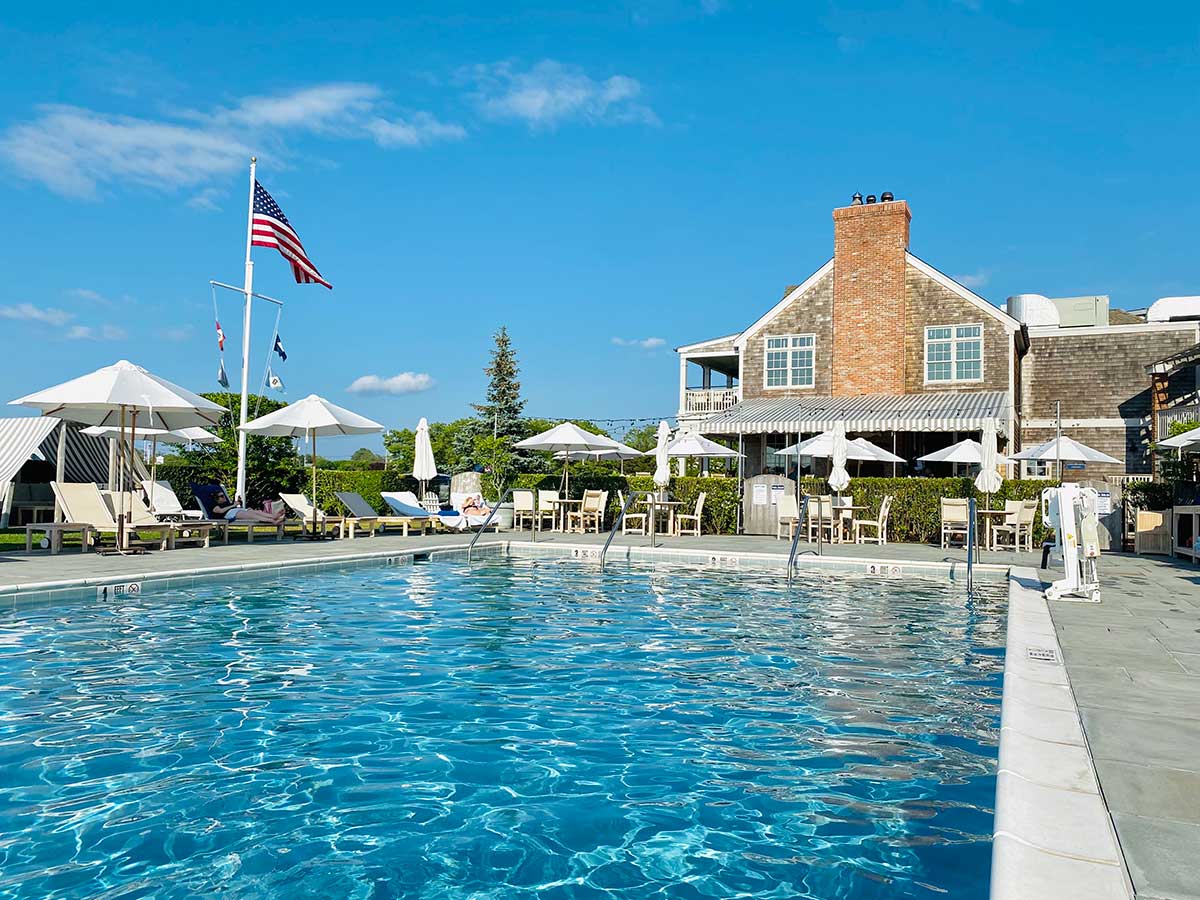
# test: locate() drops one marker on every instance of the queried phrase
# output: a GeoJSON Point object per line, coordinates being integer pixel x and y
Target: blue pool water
{"type": "Point", "coordinates": [515, 730]}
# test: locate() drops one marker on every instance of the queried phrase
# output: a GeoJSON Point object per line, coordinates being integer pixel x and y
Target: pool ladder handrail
{"type": "Point", "coordinates": [488, 521]}
{"type": "Point", "coordinates": [972, 546]}
{"type": "Point", "coordinates": [802, 516]}
{"type": "Point", "coordinates": [612, 533]}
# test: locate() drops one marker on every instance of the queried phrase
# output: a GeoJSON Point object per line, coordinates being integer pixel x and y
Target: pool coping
{"type": "Point", "coordinates": [1053, 835]}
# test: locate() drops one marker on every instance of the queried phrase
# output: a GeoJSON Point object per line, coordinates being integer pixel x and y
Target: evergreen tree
{"type": "Point", "coordinates": [501, 412]}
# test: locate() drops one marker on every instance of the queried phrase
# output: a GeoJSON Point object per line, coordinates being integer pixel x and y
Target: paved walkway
{"type": "Point", "coordinates": [1134, 664]}
{"type": "Point", "coordinates": [1133, 661]}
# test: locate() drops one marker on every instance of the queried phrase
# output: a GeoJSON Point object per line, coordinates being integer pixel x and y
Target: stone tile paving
{"type": "Point", "coordinates": [1132, 660]}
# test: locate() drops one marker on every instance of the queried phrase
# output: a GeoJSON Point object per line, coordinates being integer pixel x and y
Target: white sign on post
{"type": "Point", "coordinates": [1103, 503]}
{"type": "Point", "coordinates": [777, 492]}
{"type": "Point", "coordinates": [760, 495]}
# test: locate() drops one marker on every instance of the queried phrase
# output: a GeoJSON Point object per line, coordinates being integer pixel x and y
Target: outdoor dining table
{"type": "Point", "coordinates": [668, 506]}
{"type": "Point", "coordinates": [989, 516]}
{"type": "Point", "coordinates": [562, 507]}
{"type": "Point", "coordinates": [845, 514]}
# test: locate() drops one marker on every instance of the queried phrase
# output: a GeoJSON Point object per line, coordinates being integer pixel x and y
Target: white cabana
{"type": "Point", "coordinates": [424, 465]}
{"type": "Point", "coordinates": [80, 458]}
{"type": "Point", "coordinates": [117, 396]}
{"type": "Point", "coordinates": [311, 418]}
{"type": "Point", "coordinates": [568, 438]}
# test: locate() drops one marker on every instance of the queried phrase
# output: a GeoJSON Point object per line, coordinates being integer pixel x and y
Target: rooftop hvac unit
{"type": "Point", "coordinates": [1079, 312]}
{"type": "Point", "coordinates": [1033, 309]}
{"type": "Point", "coordinates": [1172, 309]}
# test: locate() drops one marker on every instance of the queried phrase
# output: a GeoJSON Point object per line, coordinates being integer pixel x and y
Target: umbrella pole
{"type": "Point", "coordinates": [153, 468]}
{"type": "Point", "coordinates": [121, 483]}
{"type": "Point", "coordinates": [314, 488]}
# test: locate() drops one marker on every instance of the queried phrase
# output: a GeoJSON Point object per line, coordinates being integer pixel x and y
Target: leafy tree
{"type": "Point", "coordinates": [644, 437]}
{"type": "Point", "coordinates": [272, 463]}
{"type": "Point", "coordinates": [365, 458]}
{"type": "Point", "coordinates": [495, 454]}
{"type": "Point", "coordinates": [444, 437]}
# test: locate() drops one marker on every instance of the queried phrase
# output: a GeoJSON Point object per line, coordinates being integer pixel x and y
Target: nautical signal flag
{"type": "Point", "coordinates": [279, 349]}
{"type": "Point", "coordinates": [222, 378]}
{"type": "Point", "coordinates": [269, 227]}
{"type": "Point", "coordinates": [220, 336]}
{"type": "Point", "coordinates": [274, 381]}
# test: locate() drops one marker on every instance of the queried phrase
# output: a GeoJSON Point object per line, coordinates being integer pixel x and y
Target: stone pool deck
{"type": "Point", "coordinates": [1133, 662]}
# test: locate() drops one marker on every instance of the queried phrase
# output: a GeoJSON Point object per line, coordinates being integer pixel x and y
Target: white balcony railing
{"type": "Point", "coordinates": [701, 402]}
{"type": "Point", "coordinates": [1190, 413]}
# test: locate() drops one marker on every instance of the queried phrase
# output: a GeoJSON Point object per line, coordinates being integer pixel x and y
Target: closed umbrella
{"type": "Point", "coordinates": [566, 437]}
{"type": "Point", "coordinates": [309, 418]}
{"type": "Point", "coordinates": [988, 481]}
{"type": "Point", "coordinates": [116, 396]}
{"type": "Point", "coordinates": [662, 461]}
{"type": "Point", "coordinates": [839, 478]}
{"type": "Point", "coordinates": [424, 465]}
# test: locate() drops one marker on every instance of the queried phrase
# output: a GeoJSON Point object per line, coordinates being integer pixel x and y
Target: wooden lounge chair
{"type": "Point", "coordinates": [204, 494]}
{"type": "Point", "coordinates": [547, 508]}
{"type": "Point", "coordinates": [140, 517]}
{"type": "Point", "coordinates": [362, 511]}
{"type": "Point", "coordinates": [589, 512]}
{"type": "Point", "coordinates": [310, 515]}
{"type": "Point", "coordinates": [83, 502]}
{"type": "Point", "coordinates": [523, 510]}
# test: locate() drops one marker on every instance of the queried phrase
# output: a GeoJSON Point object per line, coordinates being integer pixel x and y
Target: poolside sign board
{"type": "Point", "coordinates": [122, 589]}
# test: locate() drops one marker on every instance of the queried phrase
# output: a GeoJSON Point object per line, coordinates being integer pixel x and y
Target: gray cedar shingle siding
{"type": "Point", "coordinates": [928, 303]}
{"type": "Point", "coordinates": [810, 313]}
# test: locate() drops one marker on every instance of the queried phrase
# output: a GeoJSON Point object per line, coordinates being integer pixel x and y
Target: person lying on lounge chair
{"type": "Point", "coordinates": [225, 508]}
{"type": "Point", "coordinates": [475, 506]}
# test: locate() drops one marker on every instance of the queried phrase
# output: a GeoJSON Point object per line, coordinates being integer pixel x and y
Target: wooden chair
{"type": "Point", "coordinates": [634, 522]}
{"type": "Point", "coordinates": [1026, 521]}
{"type": "Point", "coordinates": [1009, 528]}
{"type": "Point", "coordinates": [603, 509]}
{"type": "Point", "coordinates": [689, 523]}
{"type": "Point", "coordinates": [789, 516]}
{"type": "Point", "coordinates": [588, 512]}
{"type": "Point", "coordinates": [547, 508]}
{"type": "Point", "coordinates": [523, 509]}
{"type": "Point", "coordinates": [954, 520]}
{"type": "Point", "coordinates": [821, 519]}
{"type": "Point", "coordinates": [879, 523]}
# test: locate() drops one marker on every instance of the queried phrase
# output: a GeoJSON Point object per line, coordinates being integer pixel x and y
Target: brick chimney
{"type": "Point", "coordinates": [869, 243]}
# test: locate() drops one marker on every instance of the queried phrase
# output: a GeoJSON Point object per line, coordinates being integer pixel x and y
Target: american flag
{"type": "Point", "coordinates": [270, 228]}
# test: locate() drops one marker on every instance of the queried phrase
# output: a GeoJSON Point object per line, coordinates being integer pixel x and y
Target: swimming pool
{"type": "Point", "coordinates": [520, 728]}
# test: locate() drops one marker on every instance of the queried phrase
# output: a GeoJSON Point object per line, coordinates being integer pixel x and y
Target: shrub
{"type": "Point", "coordinates": [1150, 495]}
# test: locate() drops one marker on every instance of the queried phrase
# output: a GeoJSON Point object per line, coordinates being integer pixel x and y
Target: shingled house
{"type": "Point", "coordinates": [904, 355]}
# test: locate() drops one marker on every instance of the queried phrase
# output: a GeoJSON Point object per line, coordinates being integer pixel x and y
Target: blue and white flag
{"type": "Point", "coordinates": [222, 378]}
{"type": "Point", "coordinates": [279, 349]}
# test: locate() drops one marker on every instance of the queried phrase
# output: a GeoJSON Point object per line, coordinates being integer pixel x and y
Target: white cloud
{"type": "Point", "coordinates": [87, 294]}
{"type": "Point", "coordinates": [417, 131]}
{"type": "Point", "coordinates": [76, 151]}
{"type": "Point", "coordinates": [29, 313]}
{"type": "Point", "coordinates": [645, 343]}
{"type": "Point", "coordinates": [206, 199]}
{"type": "Point", "coordinates": [176, 335]}
{"type": "Point", "coordinates": [976, 280]}
{"type": "Point", "coordinates": [103, 333]}
{"type": "Point", "coordinates": [404, 383]}
{"type": "Point", "coordinates": [551, 93]}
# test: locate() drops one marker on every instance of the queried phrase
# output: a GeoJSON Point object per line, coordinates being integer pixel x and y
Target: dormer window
{"type": "Point", "coordinates": [788, 361]}
{"type": "Point", "coordinates": [953, 353]}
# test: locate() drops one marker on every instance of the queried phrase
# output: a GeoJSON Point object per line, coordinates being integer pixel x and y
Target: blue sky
{"type": "Point", "coordinates": [608, 183]}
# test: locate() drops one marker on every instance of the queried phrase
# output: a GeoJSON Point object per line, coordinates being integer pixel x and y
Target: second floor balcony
{"type": "Point", "coordinates": [706, 401]}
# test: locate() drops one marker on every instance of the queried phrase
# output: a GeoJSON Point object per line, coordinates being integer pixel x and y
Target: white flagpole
{"type": "Point", "coordinates": [249, 288]}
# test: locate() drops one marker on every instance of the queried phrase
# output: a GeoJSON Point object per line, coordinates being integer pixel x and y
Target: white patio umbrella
{"type": "Point", "coordinates": [966, 452]}
{"type": "Point", "coordinates": [1065, 449]}
{"type": "Point", "coordinates": [839, 478]}
{"type": "Point", "coordinates": [988, 480]}
{"type": "Point", "coordinates": [424, 465]}
{"type": "Point", "coordinates": [877, 452]}
{"type": "Point", "coordinates": [116, 396]}
{"type": "Point", "coordinates": [618, 452]}
{"type": "Point", "coordinates": [180, 436]}
{"type": "Point", "coordinates": [697, 446]}
{"type": "Point", "coordinates": [662, 462]}
{"type": "Point", "coordinates": [1182, 441]}
{"type": "Point", "coordinates": [821, 447]}
{"type": "Point", "coordinates": [309, 418]}
{"type": "Point", "coordinates": [566, 437]}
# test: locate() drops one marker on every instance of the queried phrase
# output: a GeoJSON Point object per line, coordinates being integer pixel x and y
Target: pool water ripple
{"type": "Point", "coordinates": [517, 729]}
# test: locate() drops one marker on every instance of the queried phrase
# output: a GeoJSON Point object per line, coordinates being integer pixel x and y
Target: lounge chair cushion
{"type": "Point", "coordinates": [403, 509]}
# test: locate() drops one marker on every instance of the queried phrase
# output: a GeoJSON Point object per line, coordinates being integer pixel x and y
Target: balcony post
{"type": "Point", "coordinates": [683, 363]}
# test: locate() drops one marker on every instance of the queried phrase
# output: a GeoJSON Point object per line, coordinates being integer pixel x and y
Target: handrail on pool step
{"type": "Point", "coordinates": [802, 516]}
{"type": "Point", "coordinates": [621, 518]}
{"type": "Point", "coordinates": [488, 521]}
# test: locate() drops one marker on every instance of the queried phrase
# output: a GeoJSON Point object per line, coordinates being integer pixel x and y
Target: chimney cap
{"type": "Point", "coordinates": [856, 200]}
{"type": "Point", "coordinates": [870, 198]}
{"type": "Point", "coordinates": [887, 197]}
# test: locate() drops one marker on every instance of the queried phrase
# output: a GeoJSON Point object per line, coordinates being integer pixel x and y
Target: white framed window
{"type": "Point", "coordinates": [789, 361]}
{"type": "Point", "coordinates": [953, 353]}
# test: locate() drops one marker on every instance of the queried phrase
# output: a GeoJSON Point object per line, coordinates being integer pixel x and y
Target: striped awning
{"type": "Point", "coordinates": [86, 459]}
{"type": "Point", "coordinates": [866, 413]}
{"type": "Point", "coordinates": [19, 440]}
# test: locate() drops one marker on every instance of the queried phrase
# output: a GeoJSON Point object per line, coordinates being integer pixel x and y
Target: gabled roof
{"type": "Point", "coordinates": [966, 293]}
{"type": "Point", "coordinates": [710, 343]}
{"type": "Point", "coordinates": [783, 304]}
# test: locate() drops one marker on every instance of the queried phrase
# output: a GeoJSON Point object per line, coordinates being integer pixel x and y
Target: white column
{"type": "Point", "coordinates": [683, 363]}
{"type": "Point", "coordinates": [706, 377]}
